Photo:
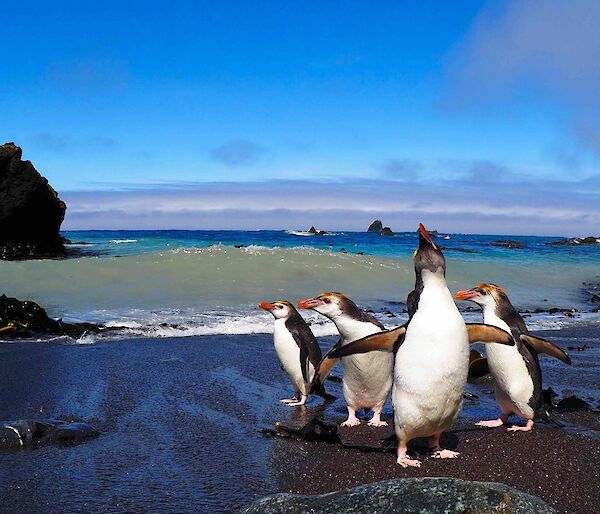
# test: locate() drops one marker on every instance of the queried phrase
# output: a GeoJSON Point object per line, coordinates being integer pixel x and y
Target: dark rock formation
{"type": "Point", "coordinates": [577, 241]}
{"type": "Point", "coordinates": [28, 432]}
{"type": "Point", "coordinates": [508, 243]}
{"type": "Point", "coordinates": [457, 249]}
{"type": "Point", "coordinates": [386, 231]}
{"type": "Point", "coordinates": [312, 230]}
{"type": "Point", "coordinates": [26, 319]}
{"type": "Point", "coordinates": [30, 211]}
{"type": "Point", "coordinates": [376, 226]}
{"type": "Point", "coordinates": [431, 495]}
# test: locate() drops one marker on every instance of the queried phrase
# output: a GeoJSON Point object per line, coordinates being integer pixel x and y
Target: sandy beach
{"type": "Point", "coordinates": [181, 422]}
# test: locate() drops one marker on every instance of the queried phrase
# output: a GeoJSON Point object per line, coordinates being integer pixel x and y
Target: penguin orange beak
{"type": "Point", "coordinates": [310, 303]}
{"type": "Point", "coordinates": [466, 294]}
{"type": "Point", "coordinates": [425, 235]}
{"type": "Point", "coordinates": [266, 306]}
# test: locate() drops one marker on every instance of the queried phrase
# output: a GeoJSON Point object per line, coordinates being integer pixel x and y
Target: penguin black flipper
{"type": "Point", "coordinates": [388, 341]}
{"type": "Point", "coordinates": [325, 367]}
{"type": "Point", "coordinates": [310, 352]}
{"type": "Point", "coordinates": [539, 345]}
{"type": "Point", "coordinates": [482, 333]}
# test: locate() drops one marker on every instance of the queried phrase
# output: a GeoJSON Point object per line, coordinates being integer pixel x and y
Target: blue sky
{"type": "Point", "coordinates": [473, 116]}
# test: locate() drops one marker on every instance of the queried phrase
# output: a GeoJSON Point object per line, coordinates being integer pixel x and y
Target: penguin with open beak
{"type": "Point", "coordinates": [431, 356]}
{"type": "Point", "coordinates": [367, 379]}
{"type": "Point", "coordinates": [515, 369]}
{"type": "Point", "coordinates": [297, 349]}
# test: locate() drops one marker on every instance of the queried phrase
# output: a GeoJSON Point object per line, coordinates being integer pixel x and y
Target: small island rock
{"type": "Point", "coordinates": [386, 231]}
{"type": "Point", "coordinates": [376, 226]}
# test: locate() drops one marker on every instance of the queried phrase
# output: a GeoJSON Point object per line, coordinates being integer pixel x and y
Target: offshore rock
{"type": "Point", "coordinates": [376, 226]}
{"type": "Point", "coordinates": [30, 211]}
{"type": "Point", "coordinates": [386, 231]}
{"type": "Point", "coordinates": [409, 495]}
{"type": "Point", "coordinates": [577, 241]}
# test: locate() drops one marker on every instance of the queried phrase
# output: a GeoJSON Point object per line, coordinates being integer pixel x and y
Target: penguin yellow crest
{"type": "Point", "coordinates": [332, 293]}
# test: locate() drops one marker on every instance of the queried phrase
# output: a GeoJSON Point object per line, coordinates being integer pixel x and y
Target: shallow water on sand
{"type": "Point", "coordinates": [180, 421]}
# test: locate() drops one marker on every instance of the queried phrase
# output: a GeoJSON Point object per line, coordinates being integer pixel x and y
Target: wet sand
{"type": "Point", "coordinates": [181, 422]}
{"type": "Point", "coordinates": [561, 468]}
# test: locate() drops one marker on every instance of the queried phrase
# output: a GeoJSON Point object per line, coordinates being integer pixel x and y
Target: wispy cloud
{"type": "Point", "coordinates": [400, 169]}
{"type": "Point", "coordinates": [89, 75]}
{"type": "Point", "coordinates": [545, 46]}
{"type": "Point", "coordinates": [61, 143]}
{"type": "Point", "coordinates": [237, 152]}
{"type": "Point", "coordinates": [460, 205]}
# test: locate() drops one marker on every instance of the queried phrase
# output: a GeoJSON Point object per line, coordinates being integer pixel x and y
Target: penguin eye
{"type": "Point", "coordinates": [326, 300]}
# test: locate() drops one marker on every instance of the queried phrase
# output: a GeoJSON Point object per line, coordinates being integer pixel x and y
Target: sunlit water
{"type": "Point", "coordinates": [169, 283]}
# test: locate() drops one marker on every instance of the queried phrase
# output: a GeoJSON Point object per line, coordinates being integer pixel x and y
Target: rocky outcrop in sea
{"type": "Point", "coordinates": [30, 210]}
{"type": "Point", "coordinates": [577, 241]}
{"type": "Point", "coordinates": [378, 228]}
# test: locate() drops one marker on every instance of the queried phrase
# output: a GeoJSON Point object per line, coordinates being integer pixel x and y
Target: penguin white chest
{"type": "Point", "coordinates": [507, 366]}
{"type": "Point", "coordinates": [431, 365]}
{"type": "Point", "coordinates": [367, 377]}
{"type": "Point", "coordinates": [288, 353]}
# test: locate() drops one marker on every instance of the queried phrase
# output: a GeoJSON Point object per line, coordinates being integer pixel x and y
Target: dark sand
{"type": "Point", "coordinates": [181, 421]}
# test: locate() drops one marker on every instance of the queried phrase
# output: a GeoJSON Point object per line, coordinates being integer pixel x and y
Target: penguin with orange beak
{"type": "Point", "coordinates": [367, 379]}
{"type": "Point", "coordinates": [515, 369]}
{"type": "Point", "coordinates": [431, 356]}
{"type": "Point", "coordinates": [297, 349]}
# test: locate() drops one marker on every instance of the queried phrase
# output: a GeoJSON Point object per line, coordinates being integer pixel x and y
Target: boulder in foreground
{"type": "Point", "coordinates": [409, 495]}
{"type": "Point", "coordinates": [30, 211]}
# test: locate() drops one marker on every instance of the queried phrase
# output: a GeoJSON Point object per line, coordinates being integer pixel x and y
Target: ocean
{"type": "Point", "coordinates": [175, 283]}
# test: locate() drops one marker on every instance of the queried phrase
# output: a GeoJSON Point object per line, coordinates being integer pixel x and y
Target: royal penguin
{"type": "Point", "coordinates": [297, 349]}
{"type": "Point", "coordinates": [431, 356]}
{"type": "Point", "coordinates": [367, 379]}
{"type": "Point", "coordinates": [515, 369]}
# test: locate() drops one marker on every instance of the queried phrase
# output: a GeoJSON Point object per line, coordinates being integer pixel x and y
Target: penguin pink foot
{"type": "Point", "coordinates": [437, 452]}
{"type": "Point", "coordinates": [289, 400]}
{"type": "Point", "coordinates": [298, 403]}
{"type": "Point", "coordinates": [526, 428]}
{"type": "Point", "coordinates": [376, 421]}
{"type": "Point", "coordinates": [352, 420]}
{"type": "Point", "coordinates": [491, 423]}
{"type": "Point", "coordinates": [404, 460]}
{"type": "Point", "coordinates": [444, 454]}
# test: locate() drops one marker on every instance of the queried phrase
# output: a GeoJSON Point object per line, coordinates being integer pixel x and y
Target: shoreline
{"type": "Point", "coordinates": [181, 422]}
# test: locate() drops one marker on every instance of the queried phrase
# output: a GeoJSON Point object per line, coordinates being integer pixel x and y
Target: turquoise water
{"type": "Point", "coordinates": [169, 283]}
{"type": "Point", "coordinates": [471, 247]}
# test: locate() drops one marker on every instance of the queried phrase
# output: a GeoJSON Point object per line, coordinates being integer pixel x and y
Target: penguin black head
{"type": "Point", "coordinates": [486, 295]}
{"type": "Point", "coordinates": [279, 308]}
{"type": "Point", "coordinates": [330, 304]}
{"type": "Point", "coordinates": [428, 256]}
